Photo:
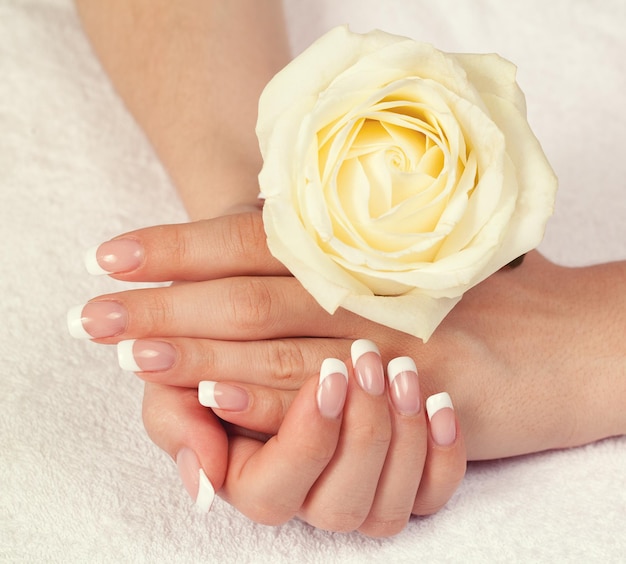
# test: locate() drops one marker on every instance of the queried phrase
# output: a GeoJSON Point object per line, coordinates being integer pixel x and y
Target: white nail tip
{"type": "Point", "coordinates": [398, 365]}
{"type": "Point", "coordinates": [75, 323]}
{"type": "Point", "coordinates": [360, 347]}
{"type": "Point", "coordinates": [91, 263]}
{"type": "Point", "coordinates": [333, 366]}
{"type": "Point", "coordinates": [206, 493]}
{"type": "Point", "coordinates": [437, 402]}
{"type": "Point", "coordinates": [206, 393]}
{"type": "Point", "coordinates": [125, 356]}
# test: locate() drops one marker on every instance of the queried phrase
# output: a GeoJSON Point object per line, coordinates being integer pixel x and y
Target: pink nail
{"type": "Point", "coordinates": [442, 420]}
{"type": "Point", "coordinates": [222, 396]}
{"type": "Point", "coordinates": [194, 479]}
{"type": "Point", "coordinates": [145, 356]}
{"type": "Point", "coordinates": [96, 320]}
{"type": "Point", "coordinates": [119, 255]}
{"type": "Point", "coordinates": [368, 367]}
{"type": "Point", "coordinates": [332, 388]}
{"type": "Point", "coordinates": [404, 385]}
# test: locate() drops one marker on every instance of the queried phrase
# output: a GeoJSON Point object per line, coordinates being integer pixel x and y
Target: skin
{"type": "Point", "coordinates": [190, 73]}
{"type": "Point", "coordinates": [568, 392]}
{"type": "Point", "coordinates": [533, 357]}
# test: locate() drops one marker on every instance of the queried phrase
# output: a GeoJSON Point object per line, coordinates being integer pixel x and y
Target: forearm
{"type": "Point", "coordinates": [191, 73]}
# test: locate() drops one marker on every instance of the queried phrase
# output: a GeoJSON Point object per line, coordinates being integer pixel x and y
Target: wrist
{"type": "Point", "coordinates": [599, 304]}
{"type": "Point", "coordinates": [211, 185]}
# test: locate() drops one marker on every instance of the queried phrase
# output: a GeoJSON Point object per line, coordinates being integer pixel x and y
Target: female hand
{"type": "Point", "coordinates": [511, 353]}
{"type": "Point", "coordinates": [351, 454]}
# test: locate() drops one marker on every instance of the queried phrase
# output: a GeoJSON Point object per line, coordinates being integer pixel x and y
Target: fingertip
{"type": "Point", "coordinates": [192, 435]}
{"type": "Point", "coordinates": [125, 356]}
{"type": "Point", "coordinates": [404, 387]}
{"type": "Point", "coordinates": [195, 480]}
{"type": "Point", "coordinates": [332, 388]}
{"type": "Point", "coordinates": [442, 419]}
{"type": "Point", "coordinates": [90, 259]}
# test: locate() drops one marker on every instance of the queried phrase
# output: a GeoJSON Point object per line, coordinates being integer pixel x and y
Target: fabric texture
{"type": "Point", "coordinates": [81, 482]}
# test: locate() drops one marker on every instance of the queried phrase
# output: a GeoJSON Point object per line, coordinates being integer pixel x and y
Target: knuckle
{"type": "Point", "coordinates": [204, 356]}
{"type": "Point", "coordinates": [242, 235]}
{"type": "Point", "coordinates": [340, 521]}
{"type": "Point", "coordinates": [252, 304]}
{"type": "Point", "coordinates": [180, 254]}
{"type": "Point", "coordinates": [158, 311]}
{"type": "Point", "coordinates": [177, 248]}
{"type": "Point", "coordinates": [428, 505]}
{"type": "Point", "coordinates": [267, 512]}
{"type": "Point", "coordinates": [378, 527]}
{"type": "Point", "coordinates": [373, 435]}
{"type": "Point", "coordinates": [439, 492]}
{"type": "Point", "coordinates": [285, 358]}
{"type": "Point", "coordinates": [319, 455]}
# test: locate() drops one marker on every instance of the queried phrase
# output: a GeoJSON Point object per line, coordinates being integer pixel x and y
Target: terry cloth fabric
{"type": "Point", "coordinates": [81, 482]}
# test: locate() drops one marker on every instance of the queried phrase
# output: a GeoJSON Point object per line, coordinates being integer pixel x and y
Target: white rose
{"type": "Point", "coordinates": [396, 176]}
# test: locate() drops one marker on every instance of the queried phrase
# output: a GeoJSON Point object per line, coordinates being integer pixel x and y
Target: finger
{"type": "Point", "coordinates": [269, 482]}
{"type": "Point", "coordinates": [232, 245]}
{"type": "Point", "coordinates": [244, 308]}
{"type": "Point", "coordinates": [446, 458]}
{"type": "Point", "coordinates": [342, 497]}
{"type": "Point", "coordinates": [278, 363]}
{"type": "Point", "coordinates": [402, 472]}
{"type": "Point", "coordinates": [191, 435]}
{"type": "Point", "coordinates": [256, 408]}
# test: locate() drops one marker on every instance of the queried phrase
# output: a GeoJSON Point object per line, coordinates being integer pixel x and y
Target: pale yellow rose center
{"type": "Point", "coordinates": [388, 174]}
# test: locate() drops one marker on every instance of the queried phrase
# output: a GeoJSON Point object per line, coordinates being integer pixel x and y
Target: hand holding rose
{"type": "Point", "coordinates": [511, 353]}
{"type": "Point", "coordinates": [339, 468]}
{"type": "Point", "coordinates": [506, 354]}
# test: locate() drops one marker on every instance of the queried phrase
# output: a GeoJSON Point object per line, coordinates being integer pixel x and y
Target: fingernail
{"type": "Point", "coordinates": [404, 385]}
{"type": "Point", "coordinates": [332, 388]}
{"type": "Point", "coordinates": [96, 320]}
{"type": "Point", "coordinates": [368, 367]}
{"type": "Point", "coordinates": [119, 255]}
{"type": "Point", "coordinates": [222, 396]}
{"type": "Point", "coordinates": [441, 417]}
{"type": "Point", "coordinates": [145, 356]}
{"type": "Point", "coordinates": [194, 479]}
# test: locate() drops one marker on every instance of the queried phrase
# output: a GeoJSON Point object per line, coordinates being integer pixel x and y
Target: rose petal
{"type": "Point", "coordinates": [392, 168]}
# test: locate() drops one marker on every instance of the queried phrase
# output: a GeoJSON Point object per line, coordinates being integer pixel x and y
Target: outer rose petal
{"type": "Point", "coordinates": [334, 84]}
{"type": "Point", "coordinates": [537, 181]}
{"type": "Point", "coordinates": [413, 312]}
{"type": "Point", "coordinates": [314, 69]}
{"type": "Point", "coordinates": [491, 74]}
{"type": "Point", "coordinates": [320, 275]}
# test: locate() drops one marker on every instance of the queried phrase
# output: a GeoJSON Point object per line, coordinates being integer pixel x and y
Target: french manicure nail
{"type": "Point", "coordinates": [368, 367]}
{"type": "Point", "coordinates": [145, 356]}
{"type": "Point", "coordinates": [97, 320]}
{"type": "Point", "coordinates": [404, 385]}
{"type": "Point", "coordinates": [441, 416]}
{"type": "Point", "coordinates": [194, 479]}
{"type": "Point", "coordinates": [222, 396]}
{"type": "Point", "coordinates": [332, 388]}
{"type": "Point", "coordinates": [112, 257]}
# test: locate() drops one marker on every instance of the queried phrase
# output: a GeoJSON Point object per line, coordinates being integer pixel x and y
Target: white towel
{"type": "Point", "coordinates": [80, 480]}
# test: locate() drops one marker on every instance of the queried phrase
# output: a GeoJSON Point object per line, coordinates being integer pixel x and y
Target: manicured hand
{"type": "Point", "coordinates": [513, 353]}
{"type": "Point", "coordinates": [352, 453]}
